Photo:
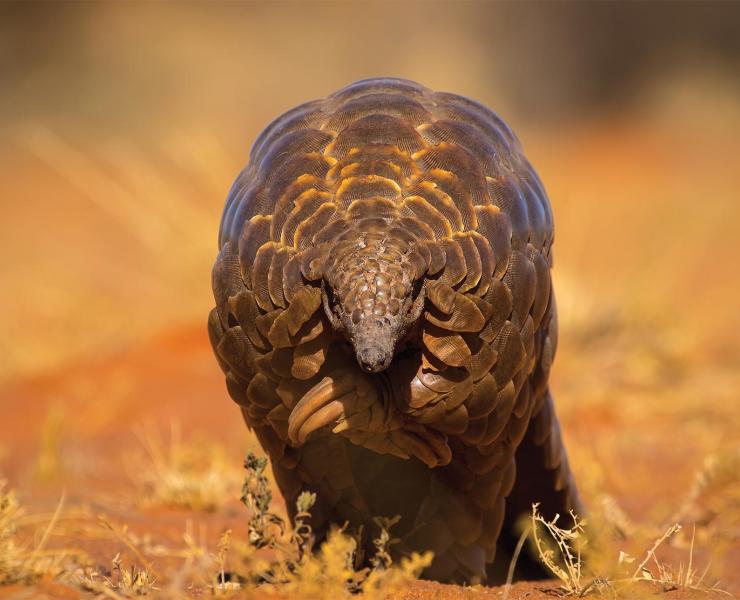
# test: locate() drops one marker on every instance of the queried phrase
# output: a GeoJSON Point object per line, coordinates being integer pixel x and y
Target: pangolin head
{"type": "Point", "coordinates": [372, 296]}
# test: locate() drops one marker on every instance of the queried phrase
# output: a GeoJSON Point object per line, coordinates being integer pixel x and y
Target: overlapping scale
{"type": "Point", "coordinates": [376, 129]}
{"type": "Point", "coordinates": [464, 315]}
{"type": "Point", "coordinates": [300, 117]}
{"type": "Point", "coordinates": [443, 382]}
{"type": "Point", "coordinates": [507, 196]}
{"type": "Point", "coordinates": [260, 274]}
{"type": "Point", "coordinates": [468, 136]}
{"type": "Point", "coordinates": [508, 345]}
{"type": "Point", "coordinates": [473, 262]}
{"type": "Point", "coordinates": [386, 103]}
{"type": "Point", "coordinates": [244, 307]}
{"type": "Point", "coordinates": [304, 171]}
{"type": "Point", "coordinates": [306, 230]}
{"type": "Point", "coordinates": [306, 206]}
{"type": "Point", "coordinates": [308, 357]}
{"type": "Point", "coordinates": [376, 85]}
{"type": "Point", "coordinates": [455, 269]}
{"type": "Point", "coordinates": [359, 187]}
{"type": "Point", "coordinates": [287, 324]}
{"type": "Point", "coordinates": [441, 201]}
{"type": "Point", "coordinates": [235, 349]}
{"type": "Point", "coordinates": [521, 279]}
{"type": "Point", "coordinates": [255, 233]}
{"type": "Point", "coordinates": [495, 227]}
{"type": "Point", "coordinates": [275, 277]}
{"type": "Point", "coordinates": [371, 207]}
{"type": "Point", "coordinates": [445, 158]}
{"type": "Point", "coordinates": [418, 208]}
{"type": "Point", "coordinates": [300, 141]}
{"type": "Point", "coordinates": [448, 347]}
{"type": "Point", "coordinates": [303, 185]}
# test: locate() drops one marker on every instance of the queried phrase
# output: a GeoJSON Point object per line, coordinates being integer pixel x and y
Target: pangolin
{"type": "Point", "coordinates": [385, 320]}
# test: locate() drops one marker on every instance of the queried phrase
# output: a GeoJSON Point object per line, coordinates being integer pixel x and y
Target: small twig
{"type": "Point", "coordinates": [672, 530]}
{"type": "Point", "coordinates": [49, 528]}
{"type": "Point", "coordinates": [514, 559]}
{"type": "Point", "coordinates": [123, 537]}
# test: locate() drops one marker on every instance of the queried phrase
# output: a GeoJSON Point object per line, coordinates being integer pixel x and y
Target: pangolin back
{"type": "Point", "coordinates": [385, 319]}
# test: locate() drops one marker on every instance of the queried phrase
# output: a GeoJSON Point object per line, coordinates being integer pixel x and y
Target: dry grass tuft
{"type": "Point", "coordinates": [563, 559]}
{"type": "Point", "coordinates": [194, 476]}
{"type": "Point", "coordinates": [561, 551]}
{"type": "Point", "coordinates": [123, 581]}
{"type": "Point", "coordinates": [331, 571]}
{"type": "Point", "coordinates": [19, 561]}
{"type": "Point", "coordinates": [685, 577]}
{"type": "Point", "coordinates": [276, 559]}
{"type": "Point", "coordinates": [272, 560]}
{"type": "Point", "coordinates": [713, 501]}
{"type": "Point", "coordinates": [265, 527]}
{"type": "Point", "coordinates": [10, 554]}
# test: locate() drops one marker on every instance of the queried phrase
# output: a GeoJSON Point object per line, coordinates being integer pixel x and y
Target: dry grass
{"type": "Point", "coordinates": [561, 551]}
{"type": "Point", "coordinates": [563, 559]}
{"type": "Point", "coordinates": [122, 582]}
{"type": "Point", "coordinates": [331, 571]}
{"type": "Point", "coordinates": [48, 462]}
{"type": "Point", "coordinates": [713, 500]}
{"type": "Point", "coordinates": [192, 475]}
{"type": "Point", "coordinates": [23, 562]}
{"type": "Point", "coordinates": [274, 559]}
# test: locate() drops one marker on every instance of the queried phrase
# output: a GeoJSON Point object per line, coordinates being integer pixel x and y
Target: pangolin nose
{"type": "Point", "coordinates": [373, 359]}
{"type": "Point", "coordinates": [373, 356]}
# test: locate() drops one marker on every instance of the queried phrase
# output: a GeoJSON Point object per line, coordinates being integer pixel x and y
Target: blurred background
{"type": "Point", "coordinates": [123, 125]}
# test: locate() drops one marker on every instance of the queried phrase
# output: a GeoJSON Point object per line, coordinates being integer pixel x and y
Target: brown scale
{"type": "Point", "coordinates": [385, 320]}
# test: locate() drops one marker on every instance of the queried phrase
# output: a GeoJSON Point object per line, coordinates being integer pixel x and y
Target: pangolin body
{"type": "Point", "coordinates": [385, 320]}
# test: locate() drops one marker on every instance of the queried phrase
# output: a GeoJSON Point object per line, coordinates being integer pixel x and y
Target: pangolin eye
{"type": "Point", "coordinates": [332, 298]}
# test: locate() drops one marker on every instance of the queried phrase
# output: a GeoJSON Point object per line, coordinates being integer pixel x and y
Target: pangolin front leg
{"type": "Point", "coordinates": [358, 408]}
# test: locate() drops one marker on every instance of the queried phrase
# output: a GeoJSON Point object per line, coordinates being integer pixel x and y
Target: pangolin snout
{"type": "Point", "coordinates": [373, 360]}
{"type": "Point", "coordinates": [370, 290]}
{"type": "Point", "coordinates": [374, 347]}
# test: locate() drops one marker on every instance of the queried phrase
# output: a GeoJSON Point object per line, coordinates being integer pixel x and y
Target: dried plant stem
{"type": "Point", "coordinates": [671, 531]}
{"type": "Point", "coordinates": [514, 558]}
{"type": "Point", "coordinates": [122, 536]}
{"type": "Point", "coordinates": [47, 532]}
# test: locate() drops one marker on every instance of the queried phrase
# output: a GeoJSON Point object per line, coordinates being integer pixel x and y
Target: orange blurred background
{"type": "Point", "coordinates": [124, 124]}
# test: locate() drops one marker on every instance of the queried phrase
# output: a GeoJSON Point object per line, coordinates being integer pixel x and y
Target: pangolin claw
{"type": "Point", "coordinates": [334, 400]}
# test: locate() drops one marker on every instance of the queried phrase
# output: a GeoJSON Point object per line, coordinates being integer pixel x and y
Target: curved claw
{"type": "Point", "coordinates": [332, 400]}
{"type": "Point", "coordinates": [427, 445]}
{"type": "Point", "coordinates": [325, 415]}
{"type": "Point", "coordinates": [367, 415]}
{"type": "Point", "coordinates": [323, 393]}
